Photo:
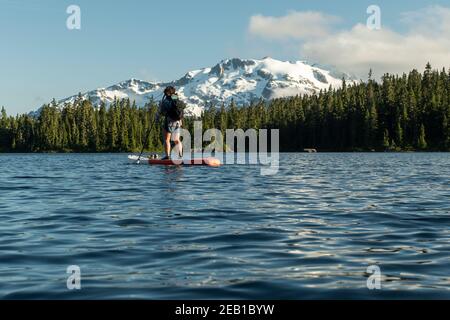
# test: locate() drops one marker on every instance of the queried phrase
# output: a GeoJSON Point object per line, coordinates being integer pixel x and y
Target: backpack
{"type": "Point", "coordinates": [176, 111]}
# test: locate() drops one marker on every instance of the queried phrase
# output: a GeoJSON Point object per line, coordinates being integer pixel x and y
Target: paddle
{"type": "Point", "coordinates": [146, 141]}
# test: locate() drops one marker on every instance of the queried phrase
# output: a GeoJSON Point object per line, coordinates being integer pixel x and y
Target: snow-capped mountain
{"type": "Point", "coordinates": [238, 79]}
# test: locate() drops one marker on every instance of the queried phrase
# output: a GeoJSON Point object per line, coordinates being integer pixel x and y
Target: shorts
{"type": "Point", "coordinates": [172, 126]}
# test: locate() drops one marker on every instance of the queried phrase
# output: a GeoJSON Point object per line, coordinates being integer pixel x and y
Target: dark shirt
{"type": "Point", "coordinates": [165, 106]}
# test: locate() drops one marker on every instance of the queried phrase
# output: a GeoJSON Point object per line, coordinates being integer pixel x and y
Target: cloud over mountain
{"type": "Point", "coordinates": [358, 49]}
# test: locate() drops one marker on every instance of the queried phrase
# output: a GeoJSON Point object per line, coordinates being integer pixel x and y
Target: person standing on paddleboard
{"type": "Point", "coordinates": [172, 110]}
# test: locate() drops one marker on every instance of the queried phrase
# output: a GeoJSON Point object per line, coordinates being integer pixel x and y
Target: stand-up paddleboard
{"type": "Point", "coordinates": [212, 162]}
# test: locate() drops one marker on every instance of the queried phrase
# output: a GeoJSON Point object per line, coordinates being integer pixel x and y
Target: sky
{"type": "Point", "coordinates": [41, 59]}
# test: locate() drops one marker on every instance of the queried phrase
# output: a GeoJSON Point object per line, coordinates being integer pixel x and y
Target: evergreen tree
{"type": "Point", "coordinates": [386, 144]}
{"type": "Point", "coordinates": [422, 143]}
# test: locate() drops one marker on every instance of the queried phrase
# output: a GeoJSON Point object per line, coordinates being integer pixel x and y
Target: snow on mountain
{"type": "Point", "coordinates": [242, 80]}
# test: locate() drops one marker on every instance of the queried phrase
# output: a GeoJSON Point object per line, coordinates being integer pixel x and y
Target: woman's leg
{"type": "Point", "coordinates": [167, 136]}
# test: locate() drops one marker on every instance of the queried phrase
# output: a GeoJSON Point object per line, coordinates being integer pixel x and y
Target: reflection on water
{"type": "Point", "coordinates": [156, 232]}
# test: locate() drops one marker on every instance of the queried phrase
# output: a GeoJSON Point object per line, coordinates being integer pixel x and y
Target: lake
{"type": "Point", "coordinates": [152, 232]}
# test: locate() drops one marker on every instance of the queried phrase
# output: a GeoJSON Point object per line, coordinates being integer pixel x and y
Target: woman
{"type": "Point", "coordinates": [172, 121]}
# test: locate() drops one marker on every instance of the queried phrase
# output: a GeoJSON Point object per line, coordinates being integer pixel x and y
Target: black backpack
{"type": "Point", "coordinates": [176, 111]}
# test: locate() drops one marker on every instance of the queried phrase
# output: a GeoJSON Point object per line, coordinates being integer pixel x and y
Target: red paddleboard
{"type": "Point", "coordinates": [212, 162]}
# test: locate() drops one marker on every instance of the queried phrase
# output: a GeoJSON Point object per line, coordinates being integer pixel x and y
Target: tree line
{"type": "Point", "coordinates": [398, 113]}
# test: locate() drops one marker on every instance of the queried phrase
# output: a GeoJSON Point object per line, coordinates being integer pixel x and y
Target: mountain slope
{"type": "Point", "coordinates": [241, 80]}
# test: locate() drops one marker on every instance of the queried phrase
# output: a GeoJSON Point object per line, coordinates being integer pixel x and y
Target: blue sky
{"type": "Point", "coordinates": [151, 40]}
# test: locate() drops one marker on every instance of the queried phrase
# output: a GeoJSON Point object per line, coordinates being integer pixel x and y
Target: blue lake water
{"type": "Point", "coordinates": [308, 232]}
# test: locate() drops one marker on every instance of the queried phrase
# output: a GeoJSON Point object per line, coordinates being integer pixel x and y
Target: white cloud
{"type": "Point", "coordinates": [428, 21]}
{"type": "Point", "coordinates": [359, 49]}
{"type": "Point", "coordinates": [295, 25]}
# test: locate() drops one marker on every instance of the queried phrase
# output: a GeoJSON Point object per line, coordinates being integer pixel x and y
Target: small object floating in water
{"type": "Point", "coordinates": [211, 162]}
{"type": "Point", "coordinates": [310, 150]}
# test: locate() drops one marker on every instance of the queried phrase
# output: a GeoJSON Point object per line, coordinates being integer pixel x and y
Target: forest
{"type": "Point", "coordinates": [408, 112]}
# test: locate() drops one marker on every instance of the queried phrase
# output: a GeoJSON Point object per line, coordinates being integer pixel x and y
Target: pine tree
{"type": "Point", "coordinates": [3, 118]}
{"type": "Point", "coordinates": [386, 144]}
{"type": "Point", "coordinates": [102, 128]}
{"type": "Point", "coordinates": [422, 143]}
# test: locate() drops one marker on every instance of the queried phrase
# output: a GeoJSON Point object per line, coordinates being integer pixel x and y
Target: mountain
{"type": "Point", "coordinates": [243, 81]}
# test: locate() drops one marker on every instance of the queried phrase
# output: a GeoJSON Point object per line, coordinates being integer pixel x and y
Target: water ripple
{"type": "Point", "coordinates": [309, 232]}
